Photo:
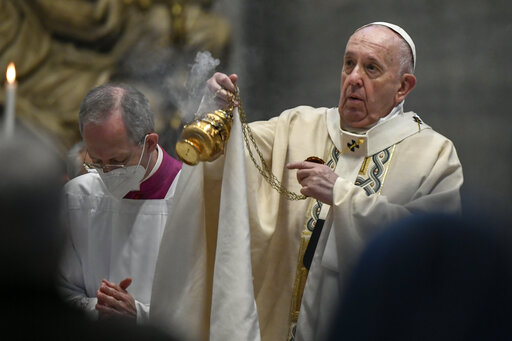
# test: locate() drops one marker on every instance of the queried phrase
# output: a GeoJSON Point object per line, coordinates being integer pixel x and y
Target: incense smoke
{"type": "Point", "coordinates": [188, 102]}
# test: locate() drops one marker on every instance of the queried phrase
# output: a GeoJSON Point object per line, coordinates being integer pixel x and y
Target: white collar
{"type": "Point", "coordinates": [159, 158]}
{"type": "Point", "coordinates": [385, 133]}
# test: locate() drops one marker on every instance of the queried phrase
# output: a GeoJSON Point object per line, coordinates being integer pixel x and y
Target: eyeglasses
{"type": "Point", "coordinates": [110, 167]}
{"type": "Point", "coordinates": [105, 168]}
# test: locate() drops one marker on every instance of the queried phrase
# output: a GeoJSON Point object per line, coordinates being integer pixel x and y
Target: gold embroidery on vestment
{"type": "Point", "coordinates": [371, 177]}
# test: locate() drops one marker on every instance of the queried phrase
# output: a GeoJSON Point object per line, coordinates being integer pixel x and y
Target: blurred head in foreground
{"type": "Point", "coordinates": [433, 277]}
{"type": "Point", "coordinates": [31, 176]}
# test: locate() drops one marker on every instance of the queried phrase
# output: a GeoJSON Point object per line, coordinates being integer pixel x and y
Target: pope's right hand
{"type": "Point", "coordinates": [220, 84]}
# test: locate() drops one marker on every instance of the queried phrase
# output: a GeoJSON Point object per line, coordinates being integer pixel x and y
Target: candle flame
{"type": "Point", "coordinates": [11, 73]}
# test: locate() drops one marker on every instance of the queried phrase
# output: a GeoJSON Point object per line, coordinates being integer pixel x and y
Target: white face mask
{"type": "Point", "coordinates": [121, 181]}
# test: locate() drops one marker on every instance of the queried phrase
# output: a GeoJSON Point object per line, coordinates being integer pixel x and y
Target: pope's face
{"type": "Point", "coordinates": [370, 78]}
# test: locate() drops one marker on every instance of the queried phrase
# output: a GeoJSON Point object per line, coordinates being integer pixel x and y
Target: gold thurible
{"type": "Point", "coordinates": [204, 139]}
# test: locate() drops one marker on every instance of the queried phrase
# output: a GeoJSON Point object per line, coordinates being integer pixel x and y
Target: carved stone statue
{"type": "Point", "coordinates": [63, 48]}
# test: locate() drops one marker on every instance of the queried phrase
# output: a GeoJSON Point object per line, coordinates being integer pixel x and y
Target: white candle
{"type": "Point", "coordinates": [10, 100]}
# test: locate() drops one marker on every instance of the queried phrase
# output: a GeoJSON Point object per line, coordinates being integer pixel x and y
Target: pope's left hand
{"type": "Point", "coordinates": [317, 180]}
{"type": "Point", "coordinates": [114, 301]}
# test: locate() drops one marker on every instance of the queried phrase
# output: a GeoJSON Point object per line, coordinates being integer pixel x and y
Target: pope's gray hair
{"type": "Point", "coordinates": [405, 57]}
{"type": "Point", "coordinates": [106, 99]}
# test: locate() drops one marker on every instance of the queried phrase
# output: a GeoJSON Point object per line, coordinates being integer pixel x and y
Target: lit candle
{"type": "Point", "coordinates": [10, 100]}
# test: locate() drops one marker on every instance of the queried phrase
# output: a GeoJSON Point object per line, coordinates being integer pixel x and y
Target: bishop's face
{"type": "Point", "coordinates": [108, 143]}
{"type": "Point", "coordinates": [370, 77]}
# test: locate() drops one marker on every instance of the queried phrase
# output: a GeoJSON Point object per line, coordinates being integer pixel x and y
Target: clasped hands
{"type": "Point", "coordinates": [114, 301]}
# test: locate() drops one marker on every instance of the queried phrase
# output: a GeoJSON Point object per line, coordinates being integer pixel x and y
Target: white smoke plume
{"type": "Point", "coordinates": [195, 86]}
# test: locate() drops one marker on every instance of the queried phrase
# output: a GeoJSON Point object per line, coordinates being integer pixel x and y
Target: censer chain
{"type": "Point", "coordinates": [264, 169]}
